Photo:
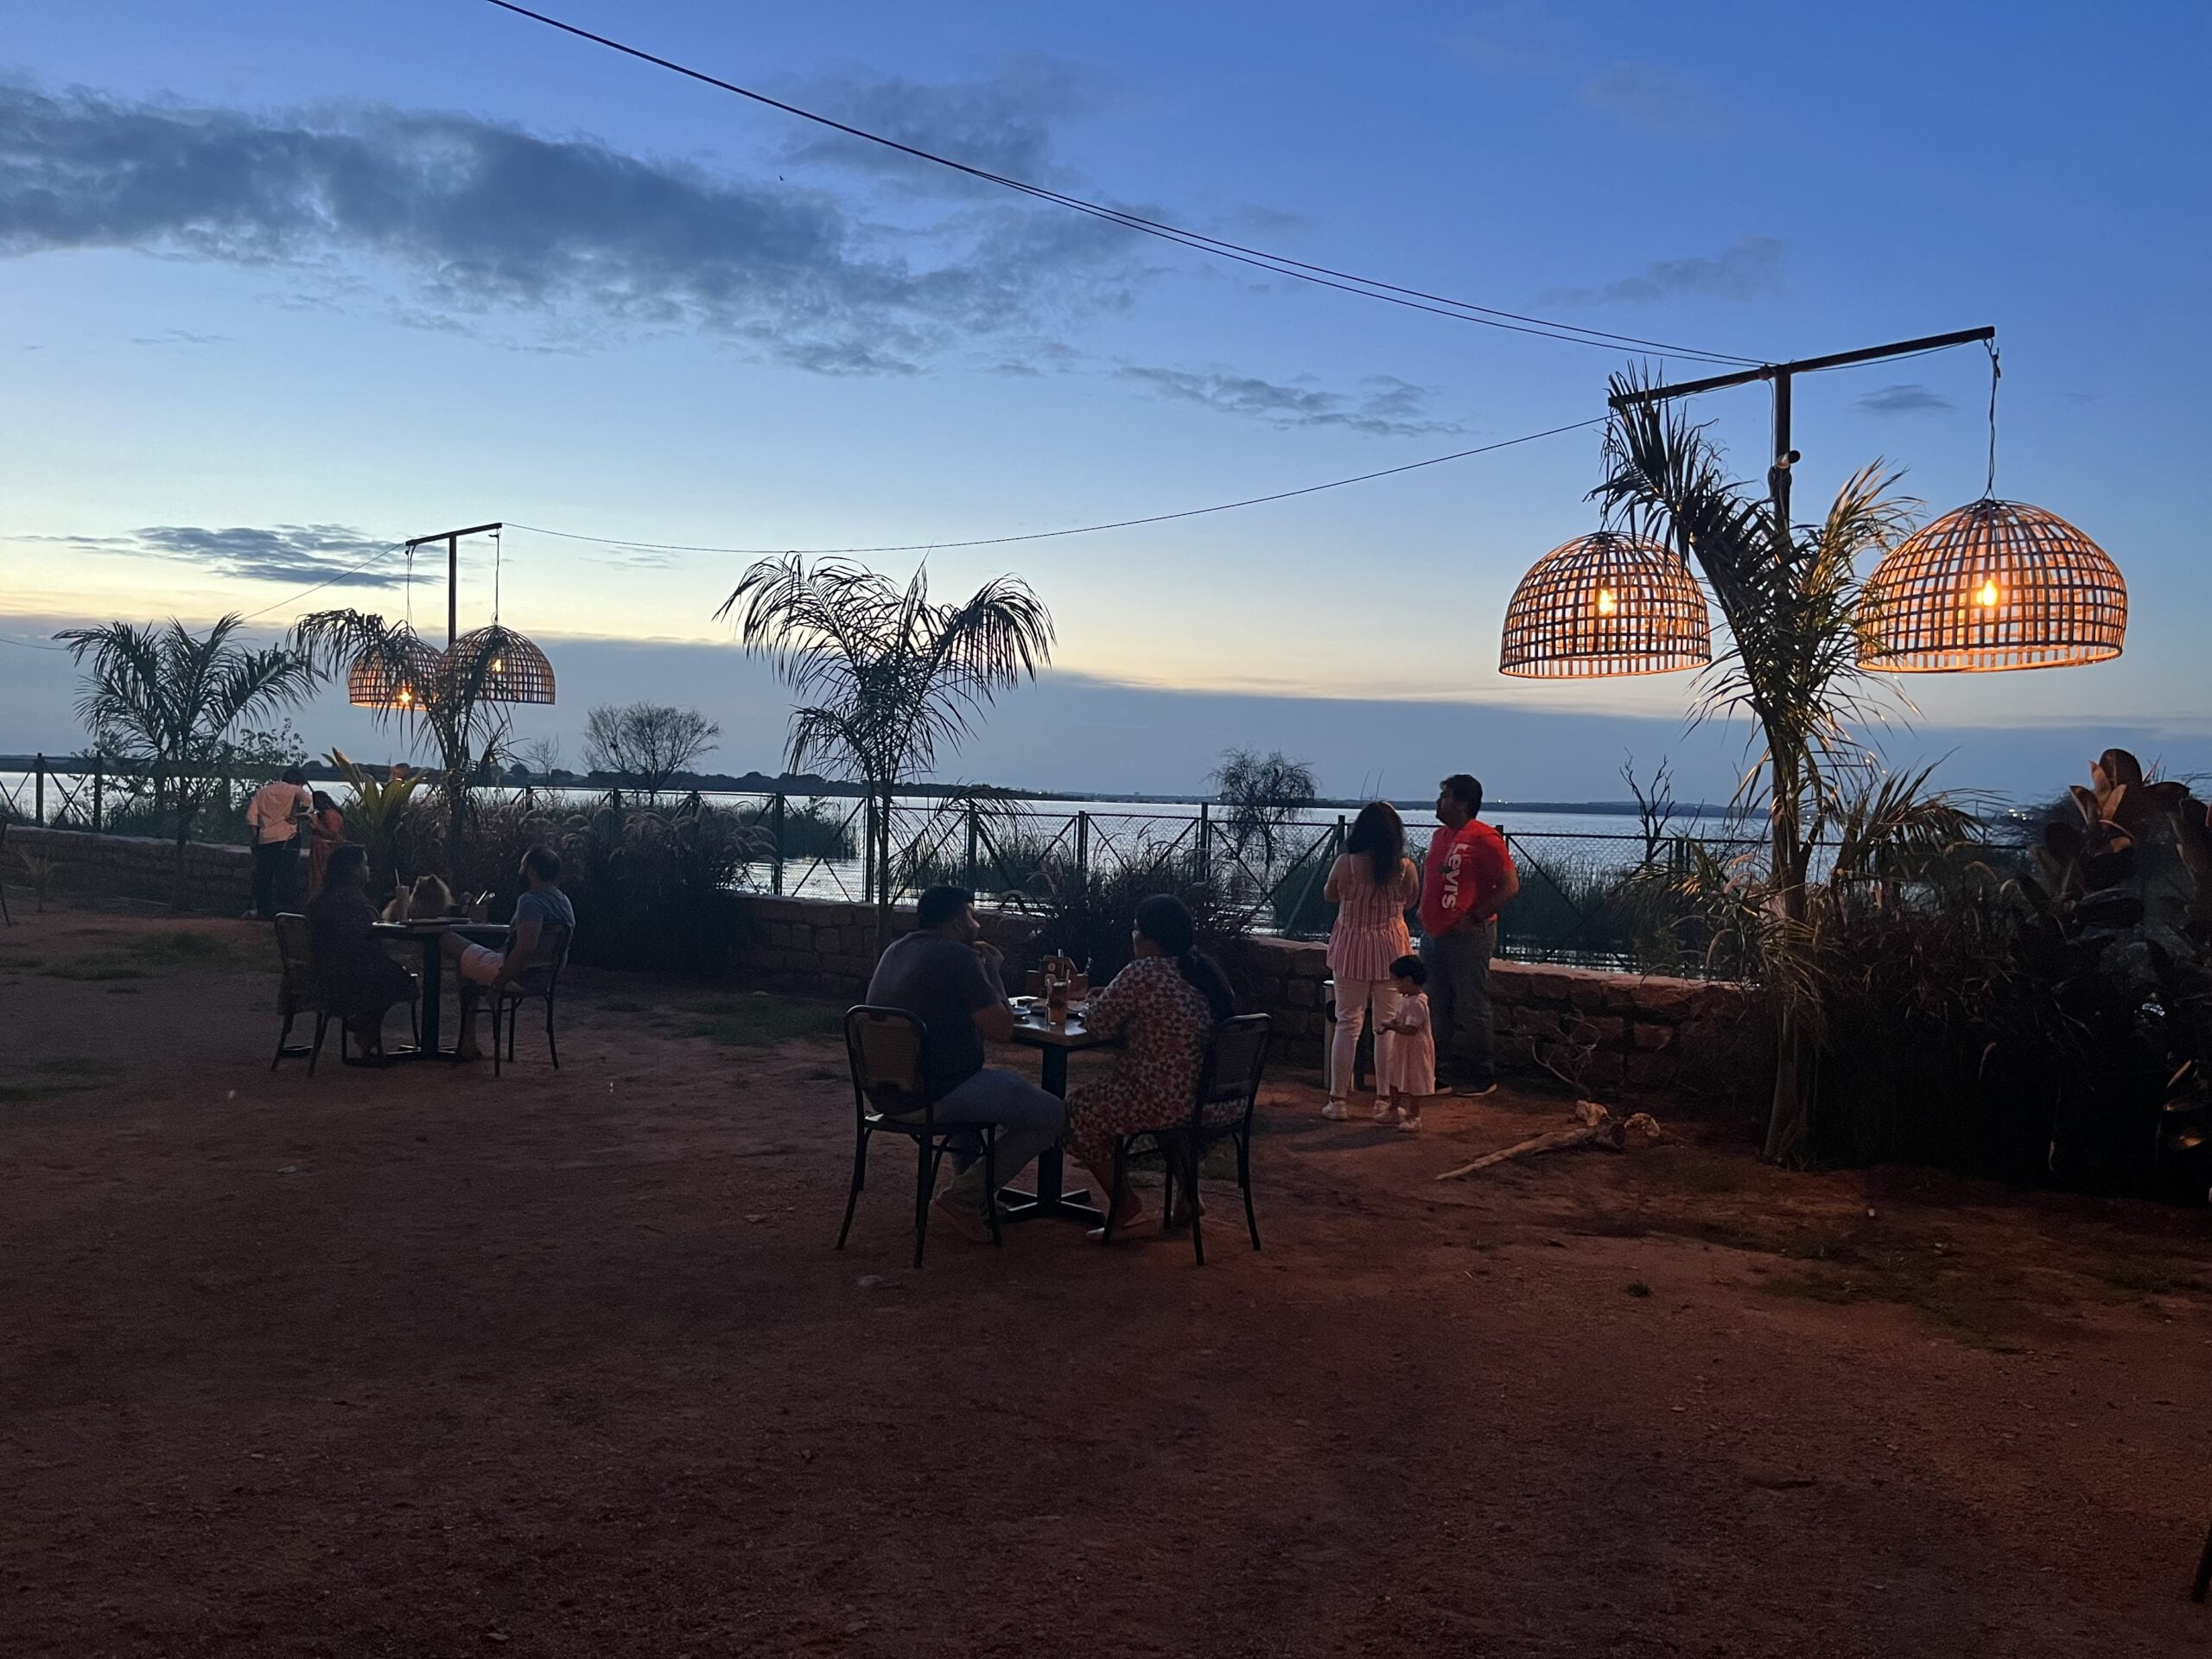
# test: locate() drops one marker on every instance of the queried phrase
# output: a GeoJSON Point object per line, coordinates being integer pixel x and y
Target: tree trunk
{"type": "Point", "coordinates": [1789, 1118]}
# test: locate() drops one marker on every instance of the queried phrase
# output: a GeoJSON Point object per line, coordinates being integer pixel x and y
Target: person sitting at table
{"type": "Point", "coordinates": [948, 975]}
{"type": "Point", "coordinates": [1165, 1006]}
{"type": "Point", "coordinates": [542, 905]}
{"type": "Point", "coordinates": [362, 980]}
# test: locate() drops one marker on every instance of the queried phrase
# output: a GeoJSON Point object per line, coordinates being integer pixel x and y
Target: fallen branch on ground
{"type": "Point", "coordinates": [1595, 1127]}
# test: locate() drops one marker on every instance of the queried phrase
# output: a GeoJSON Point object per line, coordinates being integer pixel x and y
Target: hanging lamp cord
{"type": "Point", "coordinates": [1989, 484]}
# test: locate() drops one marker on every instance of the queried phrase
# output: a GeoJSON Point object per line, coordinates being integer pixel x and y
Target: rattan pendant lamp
{"type": "Point", "coordinates": [1606, 604]}
{"type": "Point", "coordinates": [1993, 586]}
{"type": "Point", "coordinates": [394, 679]}
{"type": "Point", "coordinates": [512, 668]}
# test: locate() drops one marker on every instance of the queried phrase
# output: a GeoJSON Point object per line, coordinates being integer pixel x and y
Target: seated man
{"type": "Point", "coordinates": [947, 974]}
{"type": "Point", "coordinates": [542, 905]}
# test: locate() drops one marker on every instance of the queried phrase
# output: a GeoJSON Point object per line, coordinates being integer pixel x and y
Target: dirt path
{"type": "Point", "coordinates": [413, 1363]}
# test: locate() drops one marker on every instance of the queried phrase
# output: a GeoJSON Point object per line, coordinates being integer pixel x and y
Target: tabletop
{"type": "Point", "coordinates": [415, 928]}
{"type": "Point", "coordinates": [1035, 1031]}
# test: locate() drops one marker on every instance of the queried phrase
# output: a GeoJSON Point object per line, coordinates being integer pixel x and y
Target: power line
{"type": "Point", "coordinates": [1324, 276]}
{"type": "Point", "coordinates": [384, 553]}
{"type": "Point", "coordinates": [1078, 530]}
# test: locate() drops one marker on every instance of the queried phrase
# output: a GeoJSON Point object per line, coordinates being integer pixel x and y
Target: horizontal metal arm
{"type": "Point", "coordinates": [1802, 365]}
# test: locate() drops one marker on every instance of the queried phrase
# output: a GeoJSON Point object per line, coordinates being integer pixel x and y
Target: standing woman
{"type": "Point", "coordinates": [326, 834]}
{"type": "Point", "coordinates": [1372, 884]}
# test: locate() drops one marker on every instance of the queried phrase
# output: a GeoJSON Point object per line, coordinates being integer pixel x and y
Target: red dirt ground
{"type": "Point", "coordinates": [415, 1363]}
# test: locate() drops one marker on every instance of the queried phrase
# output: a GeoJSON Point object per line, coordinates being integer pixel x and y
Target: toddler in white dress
{"type": "Point", "coordinates": [1406, 1065]}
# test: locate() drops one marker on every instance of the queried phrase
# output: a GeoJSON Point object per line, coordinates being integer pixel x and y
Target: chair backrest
{"type": "Point", "coordinates": [542, 974]}
{"type": "Point", "coordinates": [1228, 1082]}
{"type": "Point", "coordinates": [295, 954]}
{"type": "Point", "coordinates": [885, 1048]}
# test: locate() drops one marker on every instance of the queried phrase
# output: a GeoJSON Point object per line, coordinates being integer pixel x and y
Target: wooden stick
{"type": "Point", "coordinates": [1606, 1135]}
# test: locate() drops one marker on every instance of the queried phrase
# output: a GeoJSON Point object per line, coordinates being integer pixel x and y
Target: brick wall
{"type": "Point", "coordinates": [218, 880]}
{"type": "Point", "coordinates": [1618, 1036]}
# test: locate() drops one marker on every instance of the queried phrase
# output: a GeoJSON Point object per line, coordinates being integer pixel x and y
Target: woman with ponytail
{"type": "Point", "coordinates": [1164, 1004]}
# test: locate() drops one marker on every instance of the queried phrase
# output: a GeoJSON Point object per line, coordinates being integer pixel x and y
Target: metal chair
{"type": "Point", "coordinates": [883, 1046]}
{"type": "Point", "coordinates": [302, 991]}
{"type": "Point", "coordinates": [1229, 1088]}
{"type": "Point", "coordinates": [541, 978]}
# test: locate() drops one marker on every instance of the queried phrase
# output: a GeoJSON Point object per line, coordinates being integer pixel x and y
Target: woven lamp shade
{"type": "Point", "coordinates": [1995, 585]}
{"type": "Point", "coordinates": [515, 670]}
{"type": "Point", "coordinates": [1606, 604]}
{"type": "Point", "coordinates": [374, 682]}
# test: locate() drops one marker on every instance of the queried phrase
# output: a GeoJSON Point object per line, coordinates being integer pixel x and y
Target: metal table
{"type": "Point", "coordinates": [432, 935]}
{"type": "Point", "coordinates": [1050, 1198]}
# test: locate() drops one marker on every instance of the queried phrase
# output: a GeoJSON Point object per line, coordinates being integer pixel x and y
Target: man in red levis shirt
{"type": "Point", "coordinates": [1468, 876]}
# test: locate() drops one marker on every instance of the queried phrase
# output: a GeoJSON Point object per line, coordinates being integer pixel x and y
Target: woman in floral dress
{"type": "Point", "coordinates": [1165, 1006]}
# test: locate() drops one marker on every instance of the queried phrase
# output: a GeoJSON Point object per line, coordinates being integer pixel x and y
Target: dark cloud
{"type": "Point", "coordinates": [1749, 269]}
{"type": "Point", "coordinates": [289, 553]}
{"type": "Point", "coordinates": [1645, 99]}
{"type": "Point", "coordinates": [1907, 399]}
{"type": "Point", "coordinates": [1385, 407]}
{"type": "Point", "coordinates": [480, 217]}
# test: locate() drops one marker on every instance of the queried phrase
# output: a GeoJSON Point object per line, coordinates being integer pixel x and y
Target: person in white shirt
{"type": "Point", "coordinates": [276, 815]}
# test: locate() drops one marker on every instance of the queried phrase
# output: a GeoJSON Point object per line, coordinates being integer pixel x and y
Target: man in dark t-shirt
{"type": "Point", "coordinates": [947, 974]}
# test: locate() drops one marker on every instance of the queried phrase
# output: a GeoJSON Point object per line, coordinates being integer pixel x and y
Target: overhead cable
{"type": "Point", "coordinates": [1077, 530]}
{"type": "Point", "coordinates": [1324, 276]}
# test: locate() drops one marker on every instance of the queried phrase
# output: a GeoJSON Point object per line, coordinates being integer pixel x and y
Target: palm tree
{"type": "Point", "coordinates": [444, 694]}
{"type": "Point", "coordinates": [162, 699]}
{"type": "Point", "coordinates": [889, 675]}
{"type": "Point", "coordinates": [1790, 596]}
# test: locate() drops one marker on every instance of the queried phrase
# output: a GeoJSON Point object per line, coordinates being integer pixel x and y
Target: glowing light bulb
{"type": "Point", "coordinates": [499, 663]}
{"type": "Point", "coordinates": [406, 696]}
{"type": "Point", "coordinates": [1606, 603]}
{"type": "Point", "coordinates": [1987, 595]}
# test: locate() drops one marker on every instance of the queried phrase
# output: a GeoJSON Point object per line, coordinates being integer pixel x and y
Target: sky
{"type": "Point", "coordinates": [281, 285]}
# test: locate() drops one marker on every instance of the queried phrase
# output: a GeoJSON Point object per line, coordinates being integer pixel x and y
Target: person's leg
{"type": "Point", "coordinates": [1029, 1120]}
{"type": "Point", "coordinates": [475, 966]}
{"type": "Point", "coordinates": [264, 880]}
{"type": "Point", "coordinates": [1435, 953]}
{"type": "Point", "coordinates": [1473, 1062]}
{"type": "Point", "coordinates": [1352, 998]}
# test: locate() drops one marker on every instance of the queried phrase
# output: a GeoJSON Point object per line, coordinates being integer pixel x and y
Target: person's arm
{"type": "Point", "coordinates": [986, 1003]}
{"type": "Point", "coordinates": [1490, 866]}
{"type": "Point", "coordinates": [1111, 1010]}
{"type": "Point", "coordinates": [521, 947]}
{"type": "Point", "coordinates": [1331, 890]}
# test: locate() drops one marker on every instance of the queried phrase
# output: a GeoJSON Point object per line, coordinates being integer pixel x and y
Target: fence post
{"type": "Point", "coordinates": [99, 778]}
{"type": "Point", "coordinates": [1206, 848]}
{"type": "Point", "coordinates": [38, 790]}
{"type": "Point", "coordinates": [226, 777]}
{"type": "Point", "coordinates": [867, 850]}
{"type": "Point", "coordinates": [776, 860]}
{"type": "Point", "coordinates": [973, 830]}
{"type": "Point", "coordinates": [1083, 852]}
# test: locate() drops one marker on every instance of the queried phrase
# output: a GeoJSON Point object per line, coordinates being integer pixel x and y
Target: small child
{"type": "Point", "coordinates": [1408, 1067]}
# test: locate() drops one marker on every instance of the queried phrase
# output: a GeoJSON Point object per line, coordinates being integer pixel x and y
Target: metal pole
{"type": "Point", "coordinates": [1082, 851]}
{"type": "Point", "coordinates": [1777, 476]}
{"type": "Point", "coordinates": [776, 862]}
{"type": "Point", "coordinates": [38, 790]}
{"type": "Point", "coordinates": [867, 850]}
{"type": "Point", "coordinates": [99, 778]}
{"type": "Point", "coordinates": [973, 830]}
{"type": "Point", "coordinates": [1206, 848]}
{"type": "Point", "coordinates": [452, 586]}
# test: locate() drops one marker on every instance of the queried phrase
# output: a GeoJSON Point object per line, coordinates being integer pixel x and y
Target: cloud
{"type": "Point", "coordinates": [1907, 399]}
{"type": "Point", "coordinates": [1004, 123]}
{"type": "Point", "coordinates": [1386, 407]}
{"type": "Point", "coordinates": [1512, 39]}
{"type": "Point", "coordinates": [1750, 268]}
{"type": "Point", "coordinates": [178, 337]}
{"type": "Point", "coordinates": [288, 553]}
{"type": "Point", "coordinates": [478, 217]}
{"type": "Point", "coordinates": [1645, 99]}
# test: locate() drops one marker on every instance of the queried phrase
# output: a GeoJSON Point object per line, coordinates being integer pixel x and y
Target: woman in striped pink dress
{"type": "Point", "coordinates": [1372, 884]}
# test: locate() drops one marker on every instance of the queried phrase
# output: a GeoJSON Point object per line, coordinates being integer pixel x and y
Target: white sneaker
{"type": "Point", "coordinates": [1334, 1111]}
{"type": "Point", "coordinates": [1382, 1111]}
{"type": "Point", "coordinates": [1409, 1125]}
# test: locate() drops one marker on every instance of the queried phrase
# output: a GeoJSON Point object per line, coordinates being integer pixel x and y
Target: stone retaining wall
{"type": "Point", "coordinates": [1617, 1036]}
{"type": "Point", "coordinates": [218, 880]}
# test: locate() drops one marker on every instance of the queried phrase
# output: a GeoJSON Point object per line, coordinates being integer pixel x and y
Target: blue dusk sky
{"type": "Point", "coordinates": [282, 283]}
